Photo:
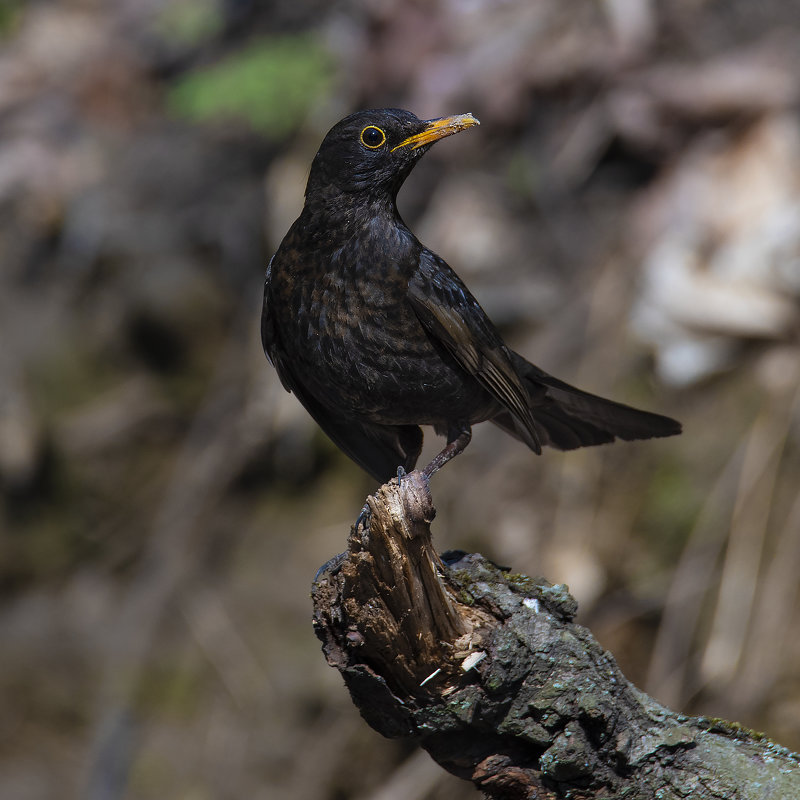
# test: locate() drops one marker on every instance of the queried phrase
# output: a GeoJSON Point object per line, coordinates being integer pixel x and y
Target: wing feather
{"type": "Point", "coordinates": [454, 318]}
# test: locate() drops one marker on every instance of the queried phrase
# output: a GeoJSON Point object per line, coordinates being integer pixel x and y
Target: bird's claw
{"type": "Point", "coordinates": [332, 566]}
{"type": "Point", "coordinates": [363, 519]}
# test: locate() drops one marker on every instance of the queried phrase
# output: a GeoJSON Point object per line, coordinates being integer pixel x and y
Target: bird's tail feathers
{"type": "Point", "coordinates": [567, 417]}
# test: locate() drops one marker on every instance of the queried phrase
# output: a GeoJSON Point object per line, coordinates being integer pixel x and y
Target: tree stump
{"type": "Point", "coordinates": [488, 672]}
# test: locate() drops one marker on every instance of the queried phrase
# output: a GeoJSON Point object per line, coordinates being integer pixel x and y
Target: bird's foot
{"type": "Point", "coordinates": [401, 473]}
{"type": "Point", "coordinates": [331, 567]}
{"type": "Point", "coordinates": [364, 517]}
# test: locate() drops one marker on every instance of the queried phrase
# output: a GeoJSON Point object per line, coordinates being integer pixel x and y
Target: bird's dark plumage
{"type": "Point", "coordinates": [376, 335]}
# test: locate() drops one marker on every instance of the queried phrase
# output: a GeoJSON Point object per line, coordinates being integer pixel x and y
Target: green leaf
{"type": "Point", "coordinates": [271, 84]}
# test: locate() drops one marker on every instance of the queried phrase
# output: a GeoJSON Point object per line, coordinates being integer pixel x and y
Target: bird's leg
{"type": "Point", "coordinates": [456, 442]}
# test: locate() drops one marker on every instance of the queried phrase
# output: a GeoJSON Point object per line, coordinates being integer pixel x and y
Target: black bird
{"type": "Point", "coordinates": [377, 335]}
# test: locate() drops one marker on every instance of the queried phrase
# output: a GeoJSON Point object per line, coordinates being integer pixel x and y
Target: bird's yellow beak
{"type": "Point", "coordinates": [438, 129]}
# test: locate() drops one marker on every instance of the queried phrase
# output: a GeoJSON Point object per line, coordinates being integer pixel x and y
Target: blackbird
{"type": "Point", "coordinates": [376, 335]}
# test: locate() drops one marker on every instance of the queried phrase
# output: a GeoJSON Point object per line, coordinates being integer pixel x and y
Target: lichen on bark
{"type": "Point", "coordinates": [491, 675]}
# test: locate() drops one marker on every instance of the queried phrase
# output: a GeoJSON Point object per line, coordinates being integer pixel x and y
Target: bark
{"type": "Point", "coordinates": [488, 672]}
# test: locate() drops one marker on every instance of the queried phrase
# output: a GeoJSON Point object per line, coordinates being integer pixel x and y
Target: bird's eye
{"type": "Point", "coordinates": [372, 137]}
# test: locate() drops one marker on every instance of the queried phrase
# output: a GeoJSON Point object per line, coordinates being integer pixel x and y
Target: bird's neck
{"type": "Point", "coordinates": [344, 214]}
{"type": "Point", "coordinates": [354, 231]}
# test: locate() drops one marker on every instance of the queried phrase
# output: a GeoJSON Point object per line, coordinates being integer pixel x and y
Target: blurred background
{"type": "Point", "coordinates": [629, 215]}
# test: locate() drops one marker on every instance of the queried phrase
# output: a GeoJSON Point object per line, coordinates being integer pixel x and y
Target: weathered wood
{"type": "Point", "coordinates": [489, 673]}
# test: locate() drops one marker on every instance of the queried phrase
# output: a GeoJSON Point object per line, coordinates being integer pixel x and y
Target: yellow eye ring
{"type": "Point", "coordinates": [373, 137]}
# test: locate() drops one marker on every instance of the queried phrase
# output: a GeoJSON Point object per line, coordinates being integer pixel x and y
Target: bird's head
{"type": "Point", "coordinates": [374, 151]}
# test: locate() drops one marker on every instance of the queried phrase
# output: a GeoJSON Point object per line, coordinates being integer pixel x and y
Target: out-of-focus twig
{"type": "Point", "coordinates": [746, 538]}
{"type": "Point", "coordinates": [210, 456]}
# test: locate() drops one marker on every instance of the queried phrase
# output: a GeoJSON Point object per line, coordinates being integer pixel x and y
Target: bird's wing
{"type": "Point", "coordinates": [453, 317]}
{"type": "Point", "coordinates": [378, 449]}
{"type": "Point", "coordinates": [268, 330]}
